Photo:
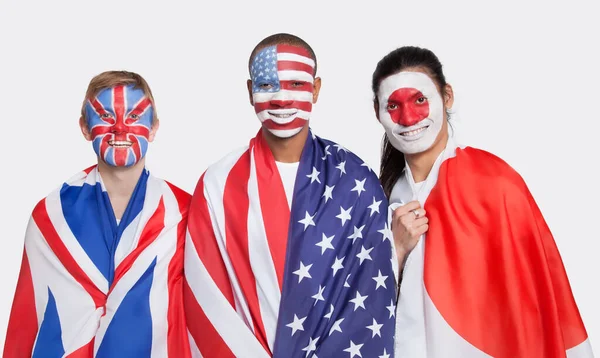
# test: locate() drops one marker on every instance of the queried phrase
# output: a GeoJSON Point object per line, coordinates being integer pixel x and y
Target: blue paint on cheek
{"type": "Point", "coordinates": [143, 146]}
{"type": "Point", "coordinates": [110, 158]}
{"type": "Point", "coordinates": [96, 144]}
{"type": "Point", "coordinates": [131, 160]}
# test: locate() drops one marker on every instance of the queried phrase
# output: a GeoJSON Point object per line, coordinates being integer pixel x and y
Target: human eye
{"type": "Point", "coordinates": [392, 106]}
{"type": "Point", "coordinates": [421, 100]}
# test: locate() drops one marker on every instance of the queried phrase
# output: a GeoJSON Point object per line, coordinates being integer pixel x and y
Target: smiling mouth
{"type": "Point", "coordinates": [413, 132]}
{"type": "Point", "coordinates": [120, 143]}
{"type": "Point", "coordinates": [282, 115]}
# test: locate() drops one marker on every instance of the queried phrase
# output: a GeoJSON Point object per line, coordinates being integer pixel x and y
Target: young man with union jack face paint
{"type": "Point", "coordinates": [288, 252]}
{"type": "Point", "coordinates": [120, 123]}
{"type": "Point", "coordinates": [103, 259]}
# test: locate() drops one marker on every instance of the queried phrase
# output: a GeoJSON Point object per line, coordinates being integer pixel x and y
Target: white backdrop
{"type": "Point", "coordinates": [525, 77]}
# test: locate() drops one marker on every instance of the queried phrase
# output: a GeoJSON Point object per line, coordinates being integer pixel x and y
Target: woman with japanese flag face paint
{"type": "Point", "coordinates": [479, 270]}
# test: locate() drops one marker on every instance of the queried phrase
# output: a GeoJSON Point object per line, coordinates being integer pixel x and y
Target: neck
{"type": "Point", "coordinates": [286, 150]}
{"type": "Point", "coordinates": [120, 181]}
{"type": "Point", "coordinates": [421, 163]}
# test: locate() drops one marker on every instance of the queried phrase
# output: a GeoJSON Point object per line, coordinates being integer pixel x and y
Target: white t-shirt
{"type": "Point", "coordinates": [288, 172]}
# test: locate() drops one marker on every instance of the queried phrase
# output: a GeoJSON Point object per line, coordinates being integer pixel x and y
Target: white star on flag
{"type": "Point", "coordinates": [354, 349]}
{"type": "Point", "coordinates": [375, 328]}
{"type": "Point", "coordinates": [359, 301]}
{"type": "Point", "coordinates": [336, 326]}
{"type": "Point", "coordinates": [328, 315]}
{"type": "Point", "coordinates": [385, 354]}
{"type": "Point", "coordinates": [328, 192]}
{"type": "Point", "coordinates": [346, 284]}
{"type": "Point", "coordinates": [380, 280]}
{"type": "Point", "coordinates": [341, 167]}
{"type": "Point", "coordinates": [344, 215]}
{"type": "Point", "coordinates": [386, 232]}
{"type": "Point", "coordinates": [319, 295]}
{"type": "Point", "coordinates": [374, 207]}
{"type": "Point", "coordinates": [337, 265]}
{"type": "Point", "coordinates": [364, 254]}
{"type": "Point", "coordinates": [297, 324]}
{"type": "Point", "coordinates": [312, 345]}
{"type": "Point", "coordinates": [325, 243]}
{"type": "Point", "coordinates": [339, 147]}
{"type": "Point", "coordinates": [392, 309]}
{"type": "Point", "coordinates": [326, 152]}
{"type": "Point", "coordinates": [357, 234]}
{"type": "Point", "coordinates": [302, 272]}
{"type": "Point", "coordinates": [308, 220]}
{"type": "Point", "coordinates": [314, 176]}
{"type": "Point", "coordinates": [360, 186]}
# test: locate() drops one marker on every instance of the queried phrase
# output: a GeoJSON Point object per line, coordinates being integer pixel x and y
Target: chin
{"type": "Point", "coordinates": [283, 132]}
{"type": "Point", "coordinates": [411, 147]}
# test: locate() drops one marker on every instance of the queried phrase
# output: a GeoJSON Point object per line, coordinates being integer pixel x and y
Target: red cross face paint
{"type": "Point", "coordinates": [411, 110]}
{"type": "Point", "coordinates": [282, 88]}
{"type": "Point", "coordinates": [120, 121]}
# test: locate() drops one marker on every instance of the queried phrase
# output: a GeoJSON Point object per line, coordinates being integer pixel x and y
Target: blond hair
{"type": "Point", "coordinates": [111, 79]}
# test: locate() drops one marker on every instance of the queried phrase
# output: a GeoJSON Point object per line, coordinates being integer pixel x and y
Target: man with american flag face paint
{"type": "Point", "coordinates": [283, 88]}
{"type": "Point", "coordinates": [103, 261]}
{"type": "Point", "coordinates": [288, 251]}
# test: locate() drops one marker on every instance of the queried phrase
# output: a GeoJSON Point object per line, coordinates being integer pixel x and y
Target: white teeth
{"type": "Point", "coordinates": [120, 143]}
{"type": "Point", "coordinates": [282, 115]}
{"type": "Point", "coordinates": [413, 132]}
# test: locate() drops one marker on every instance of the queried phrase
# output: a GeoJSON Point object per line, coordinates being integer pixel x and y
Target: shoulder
{"type": "Point", "coordinates": [182, 196]}
{"type": "Point", "coordinates": [67, 189]}
{"type": "Point", "coordinates": [487, 170]}
{"type": "Point", "coordinates": [213, 179]}
{"type": "Point", "coordinates": [346, 161]}
{"type": "Point", "coordinates": [220, 169]}
{"type": "Point", "coordinates": [349, 174]}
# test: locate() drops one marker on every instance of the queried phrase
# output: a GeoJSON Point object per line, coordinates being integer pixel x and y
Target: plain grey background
{"type": "Point", "coordinates": [525, 77]}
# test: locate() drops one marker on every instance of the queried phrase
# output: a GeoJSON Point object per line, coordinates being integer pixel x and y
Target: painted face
{"type": "Point", "coordinates": [411, 110]}
{"type": "Point", "coordinates": [120, 119]}
{"type": "Point", "coordinates": [282, 88]}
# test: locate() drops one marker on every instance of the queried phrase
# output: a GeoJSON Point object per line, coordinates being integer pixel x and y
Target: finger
{"type": "Point", "coordinates": [419, 213]}
{"type": "Point", "coordinates": [420, 221]}
{"type": "Point", "coordinates": [406, 220]}
{"type": "Point", "coordinates": [418, 229]}
{"type": "Point", "coordinates": [406, 208]}
{"type": "Point", "coordinates": [412, 220]}
{"type": "Point", "coordinates": [422, 229]}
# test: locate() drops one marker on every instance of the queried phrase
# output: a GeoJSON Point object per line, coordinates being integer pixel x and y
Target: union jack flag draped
{"type": "Point", "coordinates": [90, 287]}
{"type": "Point", "coordinates": [263, 280]}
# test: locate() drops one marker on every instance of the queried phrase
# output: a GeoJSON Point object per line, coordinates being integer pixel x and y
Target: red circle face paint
{"type": "Point", "coordinates": [407, 106]}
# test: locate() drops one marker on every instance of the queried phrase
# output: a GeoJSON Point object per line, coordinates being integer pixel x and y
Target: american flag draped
{"type": "Point", "coordinates": [262, 280]}
{"type": "Point", "coordinates": [90, 287]}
